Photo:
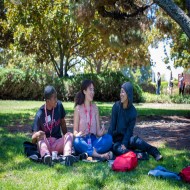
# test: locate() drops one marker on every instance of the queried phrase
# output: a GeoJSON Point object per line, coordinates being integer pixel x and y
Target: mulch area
{"type": "Point", "coordinates": [174, 131]}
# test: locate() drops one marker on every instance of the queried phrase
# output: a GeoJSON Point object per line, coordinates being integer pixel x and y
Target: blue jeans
{"type": "Point", "coordinates": [101, 145]}
{"type": "Point", "coordinates": [158, 90]}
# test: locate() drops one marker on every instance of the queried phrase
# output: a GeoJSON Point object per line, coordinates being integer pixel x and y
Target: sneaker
{"type": "Point", "coordinates": [47, 160]}
{"type": "Point", "coordinates": [68, 160]}
{"type": "Point", "coordinates": [158, 157]}
{"type": "Point", "coordinates": [155, 153]}
{"type": "Point", "coordinates": [33, 157]}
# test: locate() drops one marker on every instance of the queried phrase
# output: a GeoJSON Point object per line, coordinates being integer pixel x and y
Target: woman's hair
{"type": "Point", "coordinates": [80, 97]}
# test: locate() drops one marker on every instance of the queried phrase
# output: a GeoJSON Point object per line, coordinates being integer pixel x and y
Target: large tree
{"type": "Point", "coordinates": [47, 29]}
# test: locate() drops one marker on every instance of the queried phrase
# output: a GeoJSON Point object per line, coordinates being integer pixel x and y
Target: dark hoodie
{"type": "Point", "coordinates": [123, 120]}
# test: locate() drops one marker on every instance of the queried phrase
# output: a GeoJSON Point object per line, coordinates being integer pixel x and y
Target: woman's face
{"type": "Point", "coordinates": [123, 96]}
{"type": "Point", "coordinates": [89, 93]}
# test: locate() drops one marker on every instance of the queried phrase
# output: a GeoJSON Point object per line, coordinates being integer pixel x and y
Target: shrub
{"type": "Point", "coordinates": [107, 86]}
{"type": "Point", "coordinates": [180, 99]}
{"type": "Point", "coordinates": [15, 84]}
{"type": "Point", "coordinates": [148, 87]}
{"type": "Point", "coordinates": [153, 98]}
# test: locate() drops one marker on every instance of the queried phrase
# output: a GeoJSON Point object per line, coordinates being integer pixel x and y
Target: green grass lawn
{"type": "Point", "coordinates": [17, 172]}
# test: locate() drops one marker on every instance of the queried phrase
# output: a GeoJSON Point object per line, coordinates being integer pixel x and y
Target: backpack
{"type": "Point", "coordinates": [31, 151]}
{"type": "Point", "coordinates": [125, 162]}
{"type": "Point", "coordinates": [185, 174]}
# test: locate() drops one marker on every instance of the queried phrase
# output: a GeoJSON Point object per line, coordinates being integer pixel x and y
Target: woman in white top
{"type": "Point", "coordinates": [90, 138]}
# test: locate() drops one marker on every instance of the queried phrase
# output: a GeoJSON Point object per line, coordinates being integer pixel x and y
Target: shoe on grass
{"type": "Point", "coordinates": [68, 160]}
{"type": "Point", "coordinates": [47, 160]}
{"type": "Point", "coordinates": [33, 157]}
{"type": "Point", "coordinates": [158, 157]}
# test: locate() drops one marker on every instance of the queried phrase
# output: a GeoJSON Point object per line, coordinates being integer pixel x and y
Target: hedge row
{"type": "Point", "coordinates": [19, 85]}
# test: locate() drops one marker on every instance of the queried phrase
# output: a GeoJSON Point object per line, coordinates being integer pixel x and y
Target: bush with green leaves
{"type": "Point", "coordinates": [16, 84]}
{"type": "Point", "coordinates": [179, 99]}
{"type": "Point", "coordinates": [148, 87]}
{"type": "Point", "coordinates": [107, 86]}
{"type": "Point", "coordinates": [153, 98]}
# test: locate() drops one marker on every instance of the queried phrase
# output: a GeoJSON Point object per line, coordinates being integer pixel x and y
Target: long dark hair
{"type": "Point", "coordinates": [80, 97]}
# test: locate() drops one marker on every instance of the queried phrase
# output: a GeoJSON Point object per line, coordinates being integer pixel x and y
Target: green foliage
{"type": "Point", "coordinates": [181, 99]}
{"type": "Point", "coordinates": [137, 93]}
{"type": "Point", "coordinates": [151, 87]}
{"type": "Point", "coordinates": [46, 29]}
{"type": "Point", "coordinates": [139, 74]}
{"type": "Point", "coordinates": [107, 86]}
{"type": "Point", "coordinates": [16, 84]}
{"type": "Point", "coordinates": [51, 31]}
{"type": "Point", "coordinates": [153, 98]}
{"type": "Point", "coordinates": [148, 87]}
{"type": "Point", "coordinates": [110, 85]}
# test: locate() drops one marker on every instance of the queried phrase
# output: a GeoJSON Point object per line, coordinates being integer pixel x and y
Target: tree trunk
{"type": "Point", "coordinates": [66, 67]}
{"type": "Point", "coordinates": [2, 13]}
{"type": "Point", "coordinates": [61, 55]}
{"type": "Point", "coordinates": [176, 14]}
{"type": "Point", "coordinates": [61, 69]}
{"type": "Point", "coordinates": [98, 66]}
{"type": "Point", "coordinates": [91, 67]}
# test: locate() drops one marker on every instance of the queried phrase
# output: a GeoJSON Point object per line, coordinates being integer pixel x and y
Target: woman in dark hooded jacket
{"type": "Point", "coordinates": [123, 121]}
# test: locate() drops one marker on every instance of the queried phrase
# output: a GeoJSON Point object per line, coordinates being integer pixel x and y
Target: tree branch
{"type": "Point", "coordinates": [73, 64]}
{"type": "Point", "coordinates": [119, 15]}
{"type": "Point", "coordinates": [176, 14]}
{"type": "Point", "coordinates": [53, 60]}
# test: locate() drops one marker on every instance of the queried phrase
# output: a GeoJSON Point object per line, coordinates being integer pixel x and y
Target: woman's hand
{"type": "Point", "coordinates": [40, 135]}
{"type": "Point", "coordinates": [102, 130]}
{"type": "Point", "coordinates": [123, 147]}
{"type": "Point", "coordinates": [81, 134]}
{"type": "Point", "coordinates": [37, 136]}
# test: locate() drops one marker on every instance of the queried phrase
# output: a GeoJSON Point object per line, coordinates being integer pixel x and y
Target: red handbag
{"type": "Point", "coordinates": [185, 174]}
{"type": "Point", "coordinates": [125, 162]}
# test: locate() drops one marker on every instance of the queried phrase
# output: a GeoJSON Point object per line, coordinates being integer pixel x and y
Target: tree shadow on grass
{"type": "Point", "coordinates": [10, 118]}
{"type": "Point", "coordinates": [175, 135]}
{"type": "Point", "coordinates": [11, 145]}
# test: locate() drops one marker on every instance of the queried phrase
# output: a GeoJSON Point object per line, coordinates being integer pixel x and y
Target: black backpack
{"type": "Point", "coordinates": [31, 151]}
